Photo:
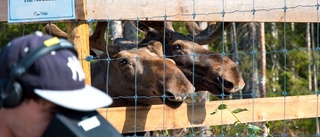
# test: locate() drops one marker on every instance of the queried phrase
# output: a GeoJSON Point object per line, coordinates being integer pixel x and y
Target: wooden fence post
{"type": "Point", "coordinates": [80, 37]}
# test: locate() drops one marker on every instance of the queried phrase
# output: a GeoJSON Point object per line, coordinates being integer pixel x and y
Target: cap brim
{"type": "Point", "coordinates": [85, 99]}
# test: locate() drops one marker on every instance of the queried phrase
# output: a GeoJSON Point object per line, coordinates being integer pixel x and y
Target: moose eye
{"type": "Point", "coordinates": [176, 47]}
{"type": "Point", "coordinates": [123, 62]}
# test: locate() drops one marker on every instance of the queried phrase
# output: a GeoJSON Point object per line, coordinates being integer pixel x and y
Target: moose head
{"type": "Point", "coordinates": [208, 70]}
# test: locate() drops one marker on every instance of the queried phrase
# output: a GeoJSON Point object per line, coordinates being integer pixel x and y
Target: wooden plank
{"type": "Point", "coordinates": [3, 10]}
{"type": "Point", "coordinates": [160, 117]}
{"type": "Point", "coordinates": [81, 8]}
{"type": "Point", "coordinates": [205, 10]}
{"type": "Point", "coordinates": [79, 35]}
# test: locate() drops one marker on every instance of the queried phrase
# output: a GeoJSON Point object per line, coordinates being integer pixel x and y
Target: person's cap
{"type": "Point", "coordinates": [57, 76]}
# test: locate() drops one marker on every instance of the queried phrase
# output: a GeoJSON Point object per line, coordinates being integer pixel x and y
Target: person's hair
{"type": "Point", "coordinates": [28, 93]}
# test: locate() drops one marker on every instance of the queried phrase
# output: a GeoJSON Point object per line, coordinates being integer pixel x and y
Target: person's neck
{"type": "Point", "coordinates": [4, 129]}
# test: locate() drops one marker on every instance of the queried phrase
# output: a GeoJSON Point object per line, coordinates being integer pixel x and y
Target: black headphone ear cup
{"type": "Point", "coordinates": [2, 87]}
{"type": "Point", "coordinates": [14, 95]}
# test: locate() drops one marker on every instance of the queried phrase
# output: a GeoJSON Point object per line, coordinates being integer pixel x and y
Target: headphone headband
{"type": "Point", "coordinates": [52, 44]}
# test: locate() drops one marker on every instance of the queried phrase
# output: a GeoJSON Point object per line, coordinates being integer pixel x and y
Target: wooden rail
{"type": "Point", "coordinates": [201, 10]}
{"type": "Point", "coordinates": [160, 117]}
{"type": "Point", "coordinates": [205, 10]}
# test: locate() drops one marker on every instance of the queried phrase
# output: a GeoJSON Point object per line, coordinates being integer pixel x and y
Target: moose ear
{"type": "Point", "coordinates": [124, 44]}
{"type": "Point", "coordinates": [55, 31]}
{"type": "Point", "coordinates": [141, 26]}
{"type": "Point", "coordinates": [113, 50]}
{"type": "Point", "coordinates": [155, 47]}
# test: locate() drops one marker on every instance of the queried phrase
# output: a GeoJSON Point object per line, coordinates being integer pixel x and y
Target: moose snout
{"type": "Point", "coordinates": [182, 97]}
{"type": "Point", "coordinates": [177, 97]}
{"type": "Point", "coordinates": [238, 88]}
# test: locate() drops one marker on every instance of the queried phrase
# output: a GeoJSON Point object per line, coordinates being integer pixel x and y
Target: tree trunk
{"type": "Point", "coordinates": [116, 27]}
{"type": "Point", "coordinates": [275, 76]}
{"type": "Point", "coordinates": [314, 65]}
{"type": "Point", "coordinates": [255, 75]}
{"type": "Point", "coordinates": [263, 61]}
{"type": "Point", "coordinates": [233, 37]}
{"type": "Point", "coordinates": [308, 39]}
{"type": "Point", "coordinates": [130, 32]}
{"type": "Point", "coordinates": [315, 73]}
{"type": "Point", "coordinates": [263, 72]}
{"type": "Point", "coordinates": [235, 43]}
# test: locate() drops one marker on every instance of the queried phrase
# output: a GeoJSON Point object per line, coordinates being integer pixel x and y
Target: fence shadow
{"type": "Point", "coordinates": [132, 114]}
{"type": "Point", "coordinates": [196, 112]}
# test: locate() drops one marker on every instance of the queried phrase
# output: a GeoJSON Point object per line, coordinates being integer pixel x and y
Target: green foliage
{"type": "Point", "coordinates": [179, 27]}
{"type": "Point", "coordinates": [10, 31]}
{"type": "Point", "coordinates": [287, 65]}
{"type": "Point", "coordinates": [238, 110]}
{"type": "Point", "coordinates": [239, 128]}
{"type": "Point", "coordinates": [298, 127]}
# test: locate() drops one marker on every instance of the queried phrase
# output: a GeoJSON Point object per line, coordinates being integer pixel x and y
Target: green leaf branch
{"type": "Point", "coordinates": [238, 126]}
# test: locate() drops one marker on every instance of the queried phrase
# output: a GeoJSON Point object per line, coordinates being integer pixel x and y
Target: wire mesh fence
{"type": "Point", "coordinates": [284, 43]}
{"type": "Point", "coordinates": [291, 64]}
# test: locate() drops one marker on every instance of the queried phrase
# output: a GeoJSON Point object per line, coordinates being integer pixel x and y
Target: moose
{"type": "Point", "coordinates": [149, 77]}
{"type": "Point", "coordinates": [208, 70]}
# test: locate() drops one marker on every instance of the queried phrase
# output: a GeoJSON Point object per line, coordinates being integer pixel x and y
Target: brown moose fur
{"type": "Point", "coordinates": [209, 70]}
{"type": "Point", "coordinates": [149, 76]}
{"type": "Point", "coordinates": [140, 73]}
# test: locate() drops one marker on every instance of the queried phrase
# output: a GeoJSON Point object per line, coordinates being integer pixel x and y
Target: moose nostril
{"type": "Point", "coordinates": [228, 84]}
{"type": "Point", "coordinates": [169, 95]}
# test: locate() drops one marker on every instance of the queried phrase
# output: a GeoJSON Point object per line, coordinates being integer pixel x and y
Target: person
{"type": "Point", "coordinates": [38, 75]}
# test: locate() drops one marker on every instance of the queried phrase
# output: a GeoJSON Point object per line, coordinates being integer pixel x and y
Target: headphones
{"type": "Point", "coordinates": [10, 90]}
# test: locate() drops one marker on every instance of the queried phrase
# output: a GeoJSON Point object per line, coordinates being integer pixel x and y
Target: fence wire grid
{"type": "Point", "coordinates": [253, 91]}
{"type": "Point", "coordinates": [291, 61]}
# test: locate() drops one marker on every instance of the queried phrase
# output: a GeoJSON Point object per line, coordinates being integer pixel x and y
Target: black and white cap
{"type": "Point", "coordinates": [57, 77]}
